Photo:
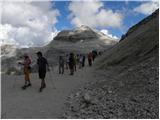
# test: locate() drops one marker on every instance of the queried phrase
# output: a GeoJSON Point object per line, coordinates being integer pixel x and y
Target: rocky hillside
{"type": "Point", "coordinates": [8, 50]}
{"type": "Point", "coordinates": [127, 80]}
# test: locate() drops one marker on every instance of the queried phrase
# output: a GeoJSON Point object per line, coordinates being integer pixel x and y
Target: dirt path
{"type": "Point", "coordinates": [29, 103]}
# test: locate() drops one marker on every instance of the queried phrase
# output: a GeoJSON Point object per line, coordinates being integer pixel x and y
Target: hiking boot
{"type": "Point", "coordinates": [40, 89]}
{"type": "Point", "coordinates": [44, 86]}
{"type": "Point", "coordinates": [71, 73]}
{"type": "Point", "coordinates": [29, 85]}
{"type": "Point", "coordinates": [24, 87]}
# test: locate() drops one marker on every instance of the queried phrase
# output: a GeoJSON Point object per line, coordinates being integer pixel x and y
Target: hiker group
{"type": "Point", "coordinates": [71, 62]}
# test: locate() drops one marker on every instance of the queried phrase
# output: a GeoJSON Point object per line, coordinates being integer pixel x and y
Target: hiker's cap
{"type": "Point", "coordinates": [39, 53]}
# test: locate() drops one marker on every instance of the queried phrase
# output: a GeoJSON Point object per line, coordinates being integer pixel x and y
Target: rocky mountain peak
{"type": "Point", "coordinates": [77, 34]}
{"type": "Point", "coordinates": [83, 28]}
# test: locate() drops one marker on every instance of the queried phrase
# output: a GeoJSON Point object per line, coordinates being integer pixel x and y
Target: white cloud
{"type": "Point", "coordinates": [28, 23]}
{"type": "Point", "coordinates": [148, 7]}
{"type": "Point", "coordinates": [93, 14]}
{"type": "Point", "coordinates": [106, 32]}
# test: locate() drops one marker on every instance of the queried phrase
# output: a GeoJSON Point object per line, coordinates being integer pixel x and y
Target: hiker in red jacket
{"type": "Point", "coordinates": [90, 58]}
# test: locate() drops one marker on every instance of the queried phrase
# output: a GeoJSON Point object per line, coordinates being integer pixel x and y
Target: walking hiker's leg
{"type": "Point", "coordinates": [67, 65]}
{"type": "Point", "coordinates": [26, 81]}
{"type": "Point", "coordinates": [40, 90]}
{"type": "Point", "coordinates": [74, 67]}
{"type": "Point", "coordinates": [89, 62]}
{"type": "Point", "coordinates": [59, 69]}
{"type": "Point", "coordinates": [63, 69]}
{"type": "Point", "coordinates": [28, 78]}
{"type": "Point", "coordinates": [72, 70]}
{"type": "Point", "coordinates": [42, 83]}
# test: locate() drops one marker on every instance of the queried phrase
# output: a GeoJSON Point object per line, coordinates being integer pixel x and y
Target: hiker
{"type": "Point", "coordinates": [42, 66]}
{"type": "Point", "coordinates": [83, 61]}
{"type": "Point", "coordinates": [71, 63]}
{"type": "Point", "coordinates": [99, 53]}
{"type": "Point", "coordinates": [75, 62]}
{"type": "Point", "coordinates": [80, 61]}
{"type": "Point", "coordinates": [77, 59]}
{"type": "Point", "coordinates": [90, 57]}
{"type": "Point", "coordinates": [26, 63]}
{"type": "Point", "coordinates": [61, 65]}
{"type": "Point", "coordinates": [67, 61]}
{"type": "Point", "coordinates": [94, 53]}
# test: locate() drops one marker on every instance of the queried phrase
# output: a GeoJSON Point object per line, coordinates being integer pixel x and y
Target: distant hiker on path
{"type": "Point", "coordinates": [83, 62]}
{"type": "Point", "coordinates": [61, 65]}
{"type": "Point", "coordinates": [90, 58]}
{"type": "Point", "coordinates": [77, 59]}
{"type": "Point", "coordinates": [80, 61]}
{"type": "Point", "coordinates": [26, 63]}
{"type": "Point", "coordinates": [71, 63]}
{"type": "Point", "coordinates": [67, 61]}
{"type": "Point", "coordinates": [75, 62]}
{"type": "Point", "coordinates": [94, 54]}
{"type": "Point", "coordinates": [42, 66]}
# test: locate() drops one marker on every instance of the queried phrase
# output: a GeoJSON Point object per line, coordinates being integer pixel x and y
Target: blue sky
{"type": "Point", "coordinates": [130, 17]}
{"type": "Point", "coordinates": [38, 22]}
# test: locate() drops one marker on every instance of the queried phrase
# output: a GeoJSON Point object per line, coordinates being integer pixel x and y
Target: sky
{"type": "Point", "coordinates": [30, 23]}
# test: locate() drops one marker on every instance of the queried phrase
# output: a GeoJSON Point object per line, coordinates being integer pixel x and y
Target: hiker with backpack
{"type": "Point", "coordinates": [67, 61]}
{"type": "Point", "coordinates": [61, 65]}
{"type": "Point", "coordinates": [42, 68]}
{"type": "Point", "coordinates": [71, 63]}
{"type": "Point", "coordinates": [75, 62]}
{"type": "Point", "coordinates": [26, 63]}
{"type": "Point", "coordinates": [83, 61]}
{"type": "Point", "coordinates": [77, 59]}
{"type": "Point", "coordinates": [90, 58]}
{"type": "Point", "coordinates": [80, 61]}
{"type": "Point", "coordinates": [94, 54]}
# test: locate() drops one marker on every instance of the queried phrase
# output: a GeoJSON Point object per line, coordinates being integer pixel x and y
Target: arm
{"type": "Point", "coordinates": [20, 63]}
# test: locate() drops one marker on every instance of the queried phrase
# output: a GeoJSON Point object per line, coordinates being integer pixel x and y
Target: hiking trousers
{"type": "Point", "coordinates": [61, 69]}
{"type": "Point", "coordinates": [90, 62]}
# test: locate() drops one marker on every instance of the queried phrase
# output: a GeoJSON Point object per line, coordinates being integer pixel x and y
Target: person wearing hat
{"type": "Point", "coordinates": [71, 63]}
{"type": "Point", "coordinates": [26, 63]}
{"type": "Point", "coordinates": [42, 68]}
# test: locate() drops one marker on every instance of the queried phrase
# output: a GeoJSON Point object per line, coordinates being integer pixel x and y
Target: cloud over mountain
{"type": "Point", "coordinates": [93, 14]}
{"type": "Point", "coordinates": [148, 7]}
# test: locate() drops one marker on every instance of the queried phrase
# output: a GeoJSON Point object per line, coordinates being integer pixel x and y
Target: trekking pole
{"type": "Point", "coordinates": [52, 82]}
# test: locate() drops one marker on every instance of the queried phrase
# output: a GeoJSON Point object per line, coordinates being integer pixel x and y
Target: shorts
{"type": "Point", "coordinates": [42, 74]}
